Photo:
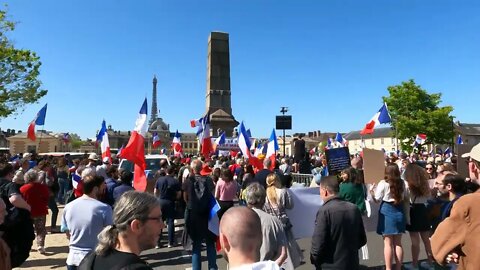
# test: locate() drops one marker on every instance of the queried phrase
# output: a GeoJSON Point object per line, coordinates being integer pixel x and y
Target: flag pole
{"type": "Point", "coordinates": [40, 139]}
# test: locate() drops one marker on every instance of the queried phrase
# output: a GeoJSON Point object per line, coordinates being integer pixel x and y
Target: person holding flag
{"type": "Point", "coordinates": [200, 202]}
{"type": "Point", "coordinates": [135, 149]}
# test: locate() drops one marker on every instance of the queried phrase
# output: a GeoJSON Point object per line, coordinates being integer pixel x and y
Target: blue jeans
{"type": "Point", "coordinates": [52, 205]}
{"type": "Point", "coordinates": [63, 184]}
{"type": "Point", "coordinates": [197, 255]}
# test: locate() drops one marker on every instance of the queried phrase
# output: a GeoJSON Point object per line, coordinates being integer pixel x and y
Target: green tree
{"type": "Point", "coordinates": [75, 141]}
{"type": "Point", "coordinates": [19, 70]}
{"type": "Point", "coordinates": [414, 111]}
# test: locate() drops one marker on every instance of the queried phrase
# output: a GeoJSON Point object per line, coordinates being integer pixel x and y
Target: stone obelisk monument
{"type": "Point", "coordinates": [218, 96]}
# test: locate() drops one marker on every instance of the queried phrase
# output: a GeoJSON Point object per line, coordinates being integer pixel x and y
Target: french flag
{"type": "Point", "coordinates": [76, 179]}
{"type": "Point", "coordinates": [102, 137]}
{"type": "Point", "coordinates": [381, 117]}
{"type": "Point", "coordinates": [39, 120]}
{"type": "Point", "coordinates": [244, 145]}
{"type": "Point", "coordinates": [135, 149]}
{"type": "Point", "coordinates": [219, 141]}
{"type": "Point", "coordinates": [177, 144]}
{"type": "Point", "coordinates": [155, 140]}
{"type": "Point", "coordinates": [213, 220]}
{"type": "Point", "coordinates": [272, 148]}
{"type": "Point", "coordinates": [206, 140]}
{"type": "Point", "coordinates": [420, 139]}
{"type": "Point", "coordinates": [459, 139]}
{"type": "Point", "coordinates": [340, 139]}
{"type": "Point", "coordinates": [258, 150]}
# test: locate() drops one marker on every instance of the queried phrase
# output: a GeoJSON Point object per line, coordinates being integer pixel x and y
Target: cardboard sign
{"type": "Point", "coordinates": [462, 163]}
{"type": "Point", "coordinates": [373, 165]}
{"type": "Point", "coordinates": [337, 159]}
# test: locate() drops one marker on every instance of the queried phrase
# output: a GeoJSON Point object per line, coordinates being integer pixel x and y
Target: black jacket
{"type": "Point", "coordinates": [337, 236]}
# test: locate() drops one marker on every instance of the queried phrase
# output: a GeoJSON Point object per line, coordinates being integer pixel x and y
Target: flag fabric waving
{"type": "Point", "coordinates": [155, 140]}
{"type": "Point", "coordinates": [420, 139]}
{"type": "Point", "coordinates": [459, 139]}
{"type": "Point", "coordinates": [205, 138]}
{"type": "Point", "coordinates": [381, 117]}
{"type": "Point", "coordinates": [272, 149]}
{"type": "Point", "coordinates": [258, 150]}
{"type": "Point", "coordinates": [219, 141]}
{"type": "Point", "coordinates": [39, 120]}
{"type": "Point", "coordinates": [177, 144]}
{"type": "Point", "coordinates": [135, 149]}
{"type": "Point", "coordinates": [66, 137]}
{"type": "Point", "coordinates": [340, 139]}
{"type": "Point", "coordinates": [119, 152]}
{"type": "Point", "coordinates": [102, 137]}
{"type": "Point", "coordinates": [244, 145]}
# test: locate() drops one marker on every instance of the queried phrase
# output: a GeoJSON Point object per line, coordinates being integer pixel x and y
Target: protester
{"type": "Point", "coordinates": [339, 232]}
{"type": "Point", "coordinates": [419, 227]}
{"type": "Point", "coordinates": [392, 194]}
{"type": "Point", "coordinates": [84, 218]}
{"type": "Point", "coordinates": [225, 191]}
{"type": "Point", "coordinates": [17, 229]}
{"type": "Point", "coordinates": [111, 182]}
{"type": "Point", "coordinates": [5, 263]}
{"type": "Point", "coordinates": [37, 196]}
{"type": "Point", "coordinates": [274, 241]}
{"type": "Point", "coordinates": [126, 180]}
{"type": "Point", "coordinates": [240, 240]}
{"type": "Point", "coordinates": [261, 176]}
{"type": "Point", "coordinates": [45, 177]}
{"type": "Point", "coordinates": [352, 189]}
{"type": "Point", "coordinates": [137, 223]}
{"type": "Point", "coordinates": [431, 171]}
{"type": "Point", "coordinates": [167, 190]}
{"type": "Point", "coordinates": [278, 199]}
{"type": "Point", "coordinates": [62, 171]}
{"type": "Point", "coordinates": [18, 178]}
{"type": "Point", "coordinates": [198, 197]}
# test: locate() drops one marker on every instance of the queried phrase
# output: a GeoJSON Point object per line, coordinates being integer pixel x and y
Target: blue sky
{"type": "Point", "coordinates": [330, 62]}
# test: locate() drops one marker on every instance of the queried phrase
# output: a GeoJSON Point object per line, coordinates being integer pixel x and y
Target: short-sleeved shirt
{"type": "Point", "coordinates": [8, 189]}
{"type": "Point", "coordinates": [36, 195]}
{"type": "Point", "coordinates": [226, 191]}
{"type": "Point", "coordinates": [85, 218]}
{"type": "Point", "coordinates": [167, 187]}
{"type": "Point", "coordinates": [273, 236]}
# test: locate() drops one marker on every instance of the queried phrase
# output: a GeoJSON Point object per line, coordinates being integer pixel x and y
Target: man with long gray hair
{"type": "Point", "coordinates": [137, 223]}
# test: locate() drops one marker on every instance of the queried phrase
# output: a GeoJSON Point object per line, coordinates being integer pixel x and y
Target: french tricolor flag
{"type": "Point", "coordinates": [135, 149]}
{"type": "Point", "coordinates": [206, 139]}
{"type": "Point", "coordinates": [420, 139]}
{"type": "Point", "coordinates": [272, 148]}
{"type": "Point", "coordinates": [156, 140]}
{"type": "Point", "coordinates": [381, 117]}
{"type": "Point", "coordinates": [177, 144]}
{"type": "Point", "coordinates": [219, 141]}
{"type": "Point", "coordinates": [244, 145]}
{"type": "Point", "coordinates": [39, 120]}
{"type": "Point", "coordinates": [102, 137]}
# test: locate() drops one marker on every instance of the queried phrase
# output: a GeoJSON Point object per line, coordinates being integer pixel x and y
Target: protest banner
{"type": "Point", "coordinates": [306, 203]}
{"type": "Point", "coordinates": [373, 165]}
{"type": "Point", "coordinates": [337, 159]}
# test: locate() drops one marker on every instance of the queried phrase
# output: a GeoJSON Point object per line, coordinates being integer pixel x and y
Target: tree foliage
{"type": "Point", "coordinates": [19, 70]}
{"type": "Point", "coordinates": [75, 141]}
{"type": "Point", "coordinates": [414, 111]}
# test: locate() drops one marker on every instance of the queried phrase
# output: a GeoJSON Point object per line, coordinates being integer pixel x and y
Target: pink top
{"type": "Point", "coordinates": [226, 191]}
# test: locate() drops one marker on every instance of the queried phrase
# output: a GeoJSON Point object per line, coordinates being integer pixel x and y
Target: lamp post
{"type": "Point", "coordinates": [283, 111]}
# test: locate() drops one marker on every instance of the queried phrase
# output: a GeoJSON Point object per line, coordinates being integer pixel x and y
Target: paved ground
{"type": "Point", "coordinates": [176, 258]}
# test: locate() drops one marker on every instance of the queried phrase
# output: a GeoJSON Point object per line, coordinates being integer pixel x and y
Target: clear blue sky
{"type": "Point", "coordinates": [330, 62]}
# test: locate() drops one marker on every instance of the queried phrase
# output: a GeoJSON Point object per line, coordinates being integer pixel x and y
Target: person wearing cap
{"type": "Point", "coordinates": [198, 196]}
{"type": "Point", "coordinates": [92, 160]}
{"type": "Point", "coordinates": [456, 238]}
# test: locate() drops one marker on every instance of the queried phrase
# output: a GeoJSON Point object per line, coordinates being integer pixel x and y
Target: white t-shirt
{"type": "Point", "coordinates": [265, 265]}
{"type": "Point", "coordinates": [382, 192]}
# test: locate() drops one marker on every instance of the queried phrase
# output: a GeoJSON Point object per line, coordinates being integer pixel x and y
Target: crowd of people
{"type": "Point", "coordinates": [108, 224]}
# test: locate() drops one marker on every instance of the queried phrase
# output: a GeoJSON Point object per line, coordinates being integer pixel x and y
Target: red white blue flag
{"type": "Point", "coordinates": [39, 120]}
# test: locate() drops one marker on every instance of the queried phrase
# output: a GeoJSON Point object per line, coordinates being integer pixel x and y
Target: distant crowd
{"type": "Point", "coordinates": [109, 224]}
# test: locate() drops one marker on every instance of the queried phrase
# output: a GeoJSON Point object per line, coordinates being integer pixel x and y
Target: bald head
{"type": "Point", "coordinates": [242, 227]}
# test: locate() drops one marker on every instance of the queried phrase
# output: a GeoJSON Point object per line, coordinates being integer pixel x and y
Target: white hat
{"type": "Point", "coordinates": [106, 160]}
{"type": "Point", "coordinates": [27, 155]}
{"type": "Point", "coordinates": [474, 153]}
{"type": "Point", "coordinates": [93, 156]}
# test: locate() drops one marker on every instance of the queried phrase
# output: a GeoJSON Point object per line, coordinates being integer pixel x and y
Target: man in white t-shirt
{"type": "Point", "coordinates": [241, 239]}
{"type": "Point", "coordinates": [84, 218]}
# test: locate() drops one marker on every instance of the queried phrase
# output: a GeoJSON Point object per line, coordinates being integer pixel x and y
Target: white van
{"type": "Point", "coordinates": [153, 165]}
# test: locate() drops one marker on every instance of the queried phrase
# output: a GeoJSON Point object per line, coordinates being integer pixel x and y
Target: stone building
{"type": "Point", "coordinates": [382, 138]}
{"type": "Point", "coordinates": [45, 142]}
